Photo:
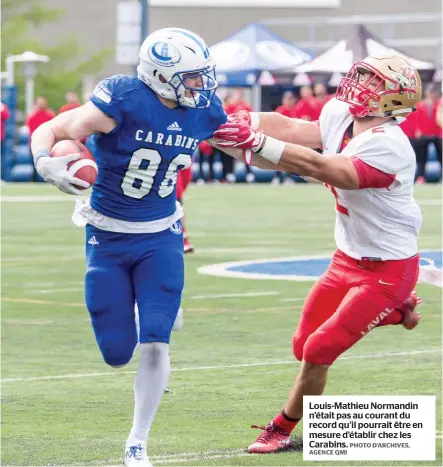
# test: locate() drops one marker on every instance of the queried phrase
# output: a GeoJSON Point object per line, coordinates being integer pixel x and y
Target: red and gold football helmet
{"type": "Point", "coordinates": [386, 86]}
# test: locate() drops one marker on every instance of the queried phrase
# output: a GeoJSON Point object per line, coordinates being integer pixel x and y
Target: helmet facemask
{"type": "Point", "coordinates": [370, 92]}
{"type": "Point", "coordinates": [194, 88]}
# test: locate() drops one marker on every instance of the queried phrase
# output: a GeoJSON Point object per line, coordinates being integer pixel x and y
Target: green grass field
{"type": "Point", "coordinates": [232, 362]}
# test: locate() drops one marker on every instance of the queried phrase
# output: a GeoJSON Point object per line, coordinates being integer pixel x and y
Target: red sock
{"type": "Point", "coordinates": [282, 421]}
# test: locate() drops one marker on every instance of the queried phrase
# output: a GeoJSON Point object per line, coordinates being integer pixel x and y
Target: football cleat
{"type": "Point", "coordinates": [411, 316]}
{"type": "Point", "coordinates": [272, 439]}
{"type": "Point", "coordinates": [136, 456]}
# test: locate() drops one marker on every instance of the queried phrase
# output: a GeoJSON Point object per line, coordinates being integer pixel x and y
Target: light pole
{"type": "Point", "coordinates": [29, 60]}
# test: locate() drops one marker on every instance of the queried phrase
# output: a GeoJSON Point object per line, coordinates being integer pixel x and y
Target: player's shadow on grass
{"type": "Point", "coordinates": [296, 444]}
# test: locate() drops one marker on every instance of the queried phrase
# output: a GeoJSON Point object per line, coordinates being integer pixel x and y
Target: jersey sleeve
{"type": "Point", "coordinates": [383, 152]}
{"type": "Point", "coordinates": [217, 116]}
{"type": "Point", "coordinates": [110, 96]}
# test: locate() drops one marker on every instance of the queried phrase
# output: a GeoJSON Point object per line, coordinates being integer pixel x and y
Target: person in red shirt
{"type": "Point", "coordinates": [287, 106]}
{"type": "Point", "coordinates": [40, 115]}
{"type": "Point", "coordinates": [235, 102]}
{"type": "Point", "coordinates": [321, 97]}
{"type": "Point", "coordinates": [438, 122]}
{"type": "Point", "coordinates": [5, 115]}
{"type": "Point", "coordinates": [427, 129]}
{"type": "Point", "coordinates": [306, 107]}
{"type": "Point", "coordinates": [72, 102]}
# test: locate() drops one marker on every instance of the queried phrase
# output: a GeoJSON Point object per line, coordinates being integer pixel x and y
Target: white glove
{"type": "Point", "coordinates": [55, 170]}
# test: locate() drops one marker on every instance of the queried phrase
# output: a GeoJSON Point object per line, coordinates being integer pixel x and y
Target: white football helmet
{"type": "Point", "coordinates": [171, 55]}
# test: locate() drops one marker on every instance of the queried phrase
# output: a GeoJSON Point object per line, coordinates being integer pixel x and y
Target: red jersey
{"type": "Point", "coordinates": [438, 108]}
{"type": "Point", "coordinates": [5, 114]}
{"type": "Point", "coordinates": [66, 107]}
{"type": "Point", "coordinates": [37, 118]}
{"type": "Point", "coordinates": [306, 109]}
{"type": "Point", "coordinates": [426, 125]}
{"type": "Point", "coordinates": [286, 111]}
{"type": "Point", "coordinates": [234, 108]}
{"type": "Point", "coordinates": [410, 125]}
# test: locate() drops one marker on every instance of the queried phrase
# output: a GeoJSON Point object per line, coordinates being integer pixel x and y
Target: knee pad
{"type": "Point", "coordinates": [156, 327]}
{"type": "Point", "coordinates": [323, 348]}
{"type": "Point", "coordinates": [116, 354]}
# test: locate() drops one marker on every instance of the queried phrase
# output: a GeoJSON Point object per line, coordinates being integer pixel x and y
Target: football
{"type": "Point", "coordinates": [85, 167]}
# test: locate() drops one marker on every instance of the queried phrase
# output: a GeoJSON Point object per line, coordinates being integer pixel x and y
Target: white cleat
{"type": "Point", "coordinates": [136, 456]}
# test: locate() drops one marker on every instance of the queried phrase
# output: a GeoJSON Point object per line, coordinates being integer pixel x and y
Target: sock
{"type": "Point", "coordinates": [150, 382]}
{"type": "Point", "coordinates": [285, 422]}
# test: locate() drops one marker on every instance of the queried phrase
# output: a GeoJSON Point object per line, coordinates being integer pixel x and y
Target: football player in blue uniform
{"type": "Point", "coordinates": [144, 129]}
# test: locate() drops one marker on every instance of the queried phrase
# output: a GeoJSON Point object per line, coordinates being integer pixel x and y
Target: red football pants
{"type": "Point", "coordinates": [348, 301]}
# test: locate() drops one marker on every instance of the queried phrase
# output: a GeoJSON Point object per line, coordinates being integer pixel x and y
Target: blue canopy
{"type": "Point", "coordinates": [243, 56]}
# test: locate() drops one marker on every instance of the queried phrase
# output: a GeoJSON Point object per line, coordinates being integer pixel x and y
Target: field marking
{"type": "Point", "coordinates": [235, 295]}
{"type": "Point", "coordinates": [55, 291]}
{"type": "Point", "coordinates": [292, 299]}
{"type": "Point", "coordinates": [430, 202]}
{"type": "Point", "coordinates": [40, 302]}
{"type": "Point", "coordinates": [218, 367]}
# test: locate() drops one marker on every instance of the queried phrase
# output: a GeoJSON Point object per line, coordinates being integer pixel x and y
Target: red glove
{"type": "Point", "coordinates": [239, 135]}
{"type": "Point", "coordinates": [240, 117]}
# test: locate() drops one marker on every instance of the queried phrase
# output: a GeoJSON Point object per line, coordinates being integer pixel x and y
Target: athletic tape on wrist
{"type": "Point", "coordinates": [272, 150]}
{"type": "Point", "coordinates": [39, 154]}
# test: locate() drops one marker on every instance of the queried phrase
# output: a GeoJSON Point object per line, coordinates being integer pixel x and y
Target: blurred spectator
{"type": "Point", "coordinates": [206, 153]}
{"type": "Point", "coordinates": [233, 103]}
{"type": "Point", "coordinates": [306, 107]}
{"type": "Point", "coordinates": [5, 115]}
{"type": "Point", "coordinates": [72, 102]}
{"type": "Point", "coordinates": [410, 129]}
{"type": "Point", "coordinates": [427, 129]}
{"type": "Point", "coordinates": [40, 115]}
{"type": "Point", "coordinates": [321, 97]}
{"type": "Point", "coordinates": [438, 122]}
{"type": "Point", "coordinates": [287, 107]}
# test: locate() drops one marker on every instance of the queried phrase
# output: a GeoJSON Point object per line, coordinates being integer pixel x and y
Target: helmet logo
{"type": "Point", "coordinates": [164, 54]}
{"type": "Point", "coordinates": [407, 77]}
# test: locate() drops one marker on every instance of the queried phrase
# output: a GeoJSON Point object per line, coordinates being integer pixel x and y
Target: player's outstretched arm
{"type": "Point", "coordinates": [74, 124]}
{"type": "Point", "coordinates": [336, 170]}
{"type": "Point", "coordinates": [239, 155]}
{"type": "Point", "coordinates": [289, 130]}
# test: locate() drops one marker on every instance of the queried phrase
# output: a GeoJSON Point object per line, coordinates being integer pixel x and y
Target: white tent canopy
{"type": "Point", "coordinates": [360, 43]}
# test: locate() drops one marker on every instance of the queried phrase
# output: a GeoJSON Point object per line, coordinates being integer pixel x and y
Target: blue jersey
{"type": "Point", "coordinates": [139, 159]}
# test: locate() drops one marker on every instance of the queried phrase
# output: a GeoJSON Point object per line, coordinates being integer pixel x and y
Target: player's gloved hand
{"type": "Point", "coordinates": [239, 135]}
{"type": "Point", "coordinates": [243, 116]}
{"type": "Point", "coordinates": [55, 170]}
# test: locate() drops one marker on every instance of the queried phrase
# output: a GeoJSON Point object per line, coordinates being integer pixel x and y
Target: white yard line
{"type": "Point", "coordinates": [220, 367]}
{"type": "Point", "coordinates": [235, 295]}
{"type": "Point", "coordinates": [292, 299]}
